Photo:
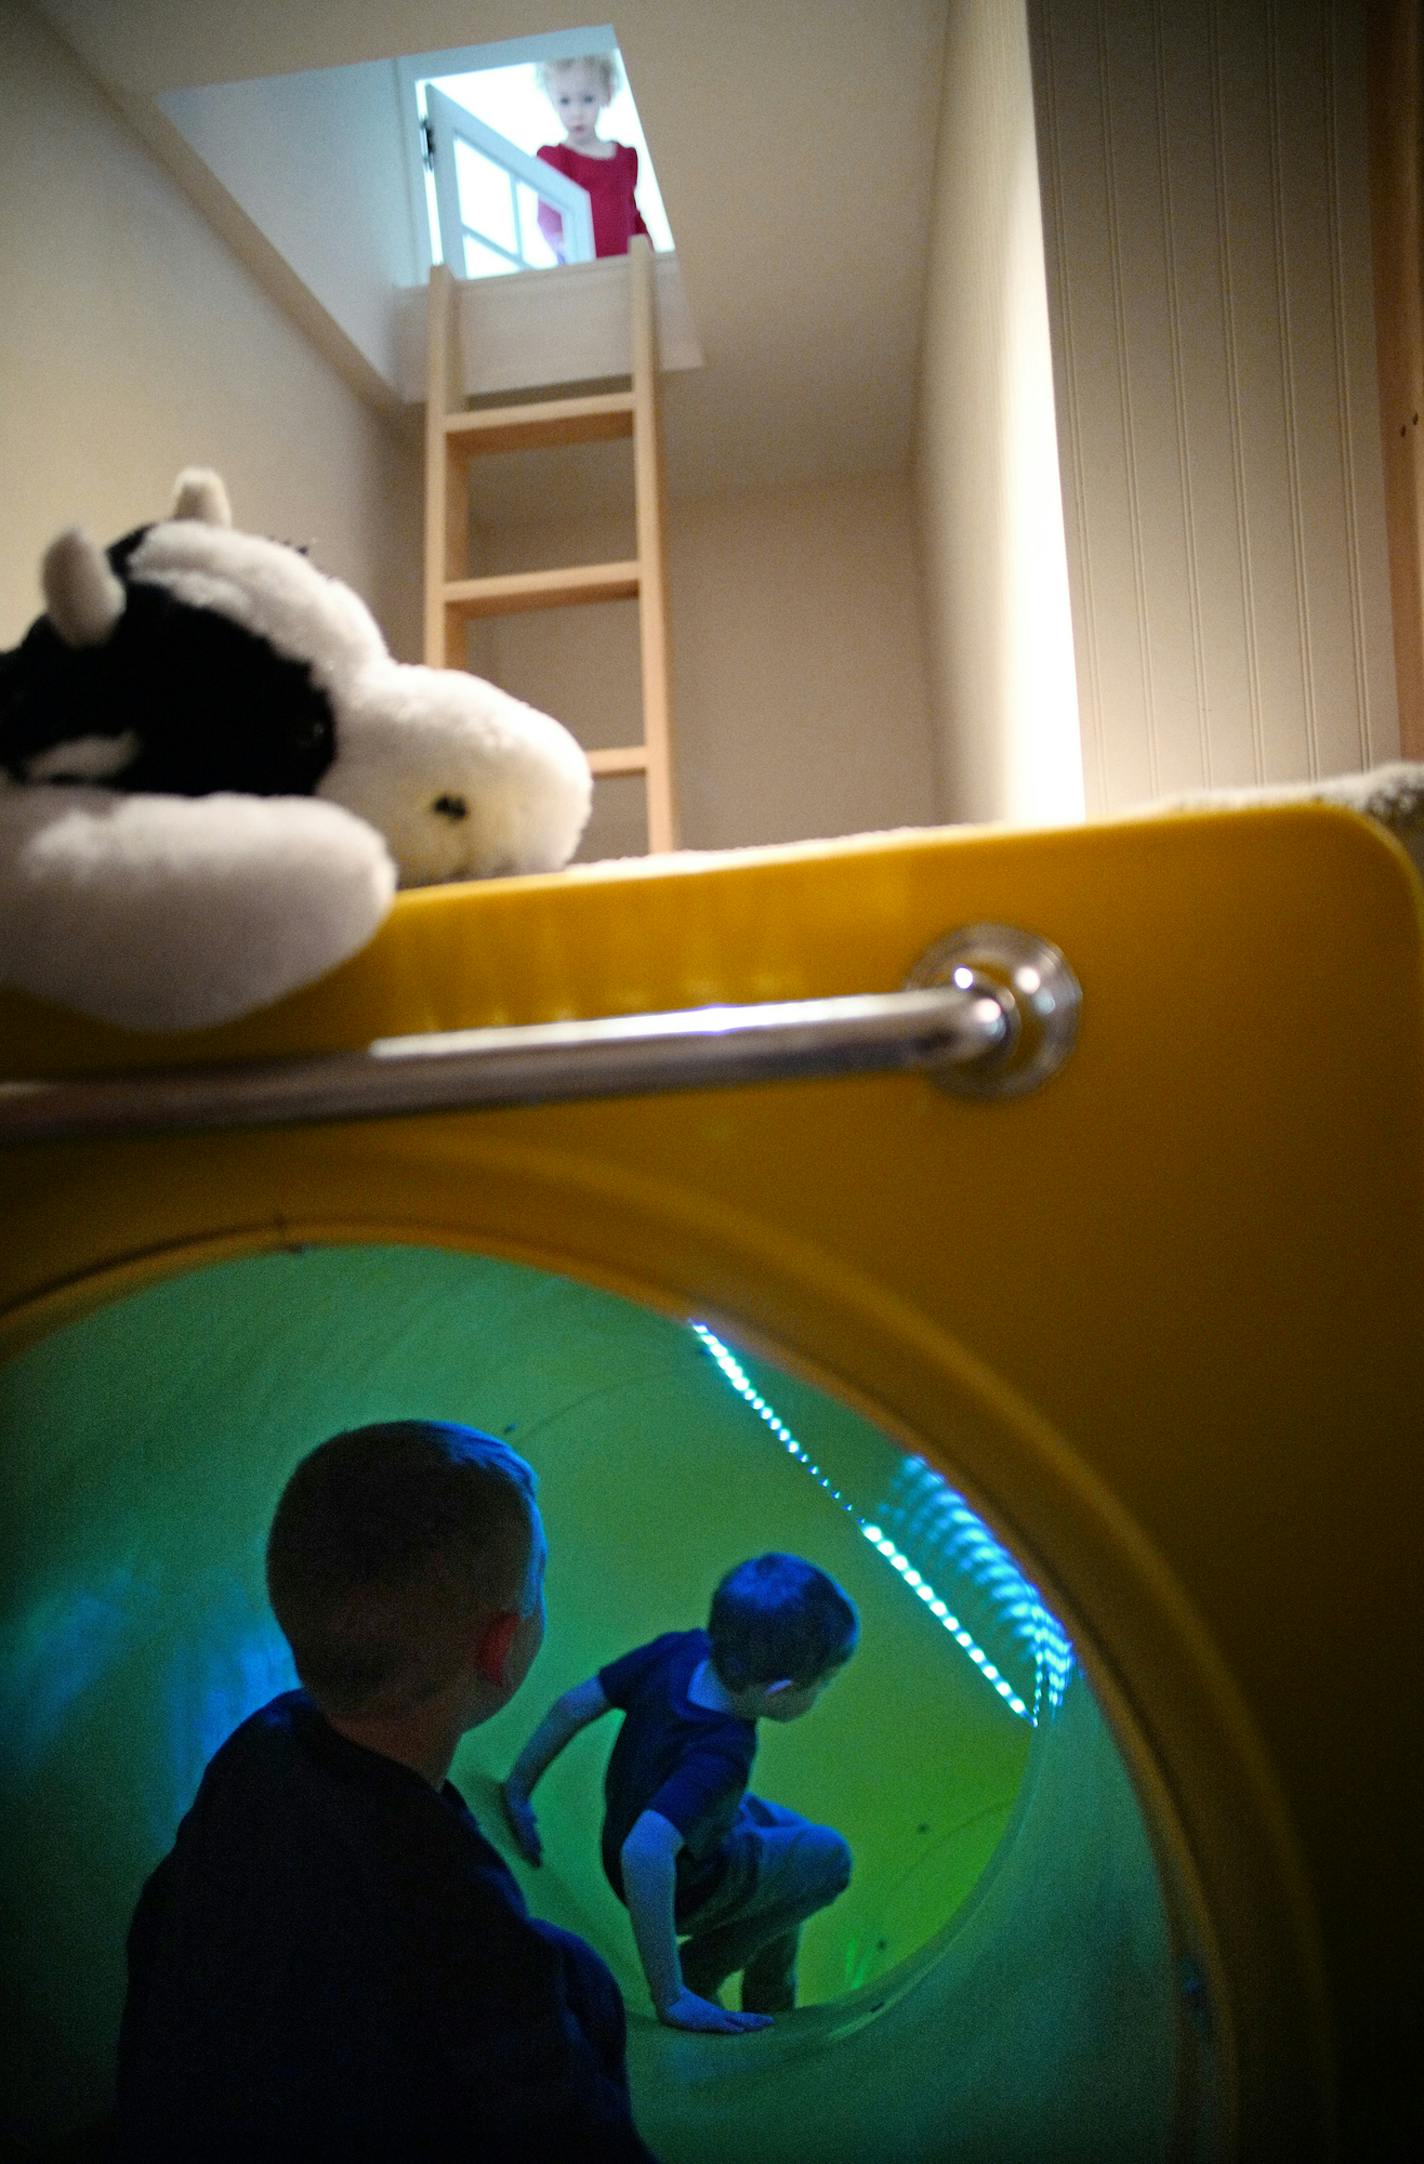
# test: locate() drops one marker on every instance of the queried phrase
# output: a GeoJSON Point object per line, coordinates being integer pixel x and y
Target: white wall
{"type": "Point", "coordinates": [990, 516]}
{"type": "Point", "coordinates": [801, 708]}
{"type": "Point", "coordinates": [1204, 173]}
{"type": "Point", "coordinates": [317, 161]}
{"type": "Point", "coordinates": [132, 343]}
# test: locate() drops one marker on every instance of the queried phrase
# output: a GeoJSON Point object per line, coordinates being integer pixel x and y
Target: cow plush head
{"type": "Point", "coordinates": [242, 695]}
{"type": "Point", "coordinates": [189, 659]}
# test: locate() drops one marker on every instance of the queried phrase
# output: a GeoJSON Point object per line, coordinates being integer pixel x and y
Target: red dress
{"type": "Point", "coordinates": [610, 183]}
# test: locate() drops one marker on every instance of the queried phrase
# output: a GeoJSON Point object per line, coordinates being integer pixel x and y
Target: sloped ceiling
{"type": "Point", "coordinates": [794, 142]}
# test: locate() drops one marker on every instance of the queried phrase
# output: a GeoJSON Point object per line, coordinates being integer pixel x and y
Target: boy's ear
{"type": "Point", "coordinates": [492, 1653]}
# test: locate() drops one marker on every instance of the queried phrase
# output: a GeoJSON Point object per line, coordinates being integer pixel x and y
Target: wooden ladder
{"type": "Point", "coordinates": [454, 438]}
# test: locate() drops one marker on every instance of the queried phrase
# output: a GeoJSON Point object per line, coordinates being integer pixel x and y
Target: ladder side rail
{"type": "Point", "coordinates": [650, 506]}
{"type": "Point", "coordinates": [446, 488]}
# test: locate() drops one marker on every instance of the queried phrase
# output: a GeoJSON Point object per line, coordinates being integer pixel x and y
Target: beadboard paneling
{"type": "Point", "coordinates": [1206, 230]}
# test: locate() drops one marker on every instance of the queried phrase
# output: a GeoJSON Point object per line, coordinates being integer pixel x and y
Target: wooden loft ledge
{"type": "Point", "coordinates": [544, 327]}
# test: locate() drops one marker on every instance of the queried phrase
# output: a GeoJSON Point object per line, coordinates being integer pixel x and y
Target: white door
{"type": "Point", "coordinates": [488, 193]}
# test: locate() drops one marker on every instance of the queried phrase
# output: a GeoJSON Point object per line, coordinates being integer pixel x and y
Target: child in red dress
{"type": "Point", "coordinates": [579, 91]}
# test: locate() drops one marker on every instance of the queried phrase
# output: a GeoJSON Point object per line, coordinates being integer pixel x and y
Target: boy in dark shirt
{"type": "Point", "coordinates": [689, 1851]}
{"type": "Point", "coordinates": [331, 1962]}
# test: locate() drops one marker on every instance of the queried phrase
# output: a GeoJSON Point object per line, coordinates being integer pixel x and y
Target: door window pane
{"type": "Point", "coordinates": [534, 247]}
{"type": "Point", "coordinates": [485, 202]}
{"type": "Point", "coordinates": [482, 262]}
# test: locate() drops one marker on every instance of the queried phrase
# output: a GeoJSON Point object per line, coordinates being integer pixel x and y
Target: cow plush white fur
{"type": "Point", "coordinates": [213, 775]}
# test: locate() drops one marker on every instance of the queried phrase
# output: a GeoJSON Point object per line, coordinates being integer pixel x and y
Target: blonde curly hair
{"type": "Point", "coordinates": [604, 65]}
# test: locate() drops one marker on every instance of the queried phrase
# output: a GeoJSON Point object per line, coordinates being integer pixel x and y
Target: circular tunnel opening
{"type": "Point", "coordinates": [960, 1753]}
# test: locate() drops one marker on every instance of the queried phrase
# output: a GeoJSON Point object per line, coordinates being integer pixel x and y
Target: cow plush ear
{"type": "Point", "coordinates": [83, 599]}
{"type": "Point", "coordinates": [198, 493]}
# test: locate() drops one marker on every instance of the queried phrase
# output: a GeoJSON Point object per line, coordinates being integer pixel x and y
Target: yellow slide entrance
{"type": "Point", "coordinates": [1153, 1328]}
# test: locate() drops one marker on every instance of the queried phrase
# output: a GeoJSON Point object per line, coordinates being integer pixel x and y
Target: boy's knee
{"type": "Point", "coordinates": [833, 1860]}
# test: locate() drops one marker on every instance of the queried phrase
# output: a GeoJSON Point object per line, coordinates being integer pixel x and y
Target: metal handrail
{"type": "Point", "coordinates": [971, 1032]}
{"type": "Point", "coordinates": [626, 1055]}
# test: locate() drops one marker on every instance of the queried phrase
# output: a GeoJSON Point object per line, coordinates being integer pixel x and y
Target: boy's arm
{"type": "Point", "coordinates": [535, 2039]}
{"type": "Point", "coordinates": [584, 1703]}
{"type": "Point", "coordinates": [649, 1862]}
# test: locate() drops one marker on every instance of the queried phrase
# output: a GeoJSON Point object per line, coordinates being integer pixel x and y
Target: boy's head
{"type": "Point", "coordinates": [404, 1559]}
{"type": "Point", "coordinates": [579, 91]}
{"type": "Point", "coordinates": [780, 1629]}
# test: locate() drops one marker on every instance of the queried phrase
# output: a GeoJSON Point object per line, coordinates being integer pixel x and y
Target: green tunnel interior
{"type": "Point", "coordinates": [999, 1979]}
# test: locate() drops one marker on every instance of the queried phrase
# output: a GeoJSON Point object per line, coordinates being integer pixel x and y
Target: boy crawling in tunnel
{"type": "Point", "coordinates": [332, 1962]}
{"type": "Point", "coordinates": [692, 1854]}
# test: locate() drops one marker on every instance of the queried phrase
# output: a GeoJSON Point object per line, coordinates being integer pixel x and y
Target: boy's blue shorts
{"type": "Point", "coordinates": [773, 1859]}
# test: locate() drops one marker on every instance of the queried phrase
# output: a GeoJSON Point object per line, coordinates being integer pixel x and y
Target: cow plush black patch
{"type": "Point", "coordinates": [191, 701]}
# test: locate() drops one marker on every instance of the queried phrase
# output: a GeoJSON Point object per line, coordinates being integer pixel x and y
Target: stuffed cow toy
{"type": "Point", "coordinates": [213, 776]}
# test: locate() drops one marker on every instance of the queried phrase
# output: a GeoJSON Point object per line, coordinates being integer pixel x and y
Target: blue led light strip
{"type": "Point", "coordinates": [929, 1516]}
{"type": "Point", "coordinates": [919, 1585]}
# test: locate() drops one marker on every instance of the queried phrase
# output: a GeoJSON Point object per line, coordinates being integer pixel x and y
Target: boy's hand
{"type": "Point", "coordinates": [519, 1817]}
{"type": "Point", "coordinates": [687, 2011]}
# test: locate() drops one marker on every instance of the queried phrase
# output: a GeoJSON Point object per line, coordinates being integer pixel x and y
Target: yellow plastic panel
{"type": "Point", "coordinates": [1181, 1285]}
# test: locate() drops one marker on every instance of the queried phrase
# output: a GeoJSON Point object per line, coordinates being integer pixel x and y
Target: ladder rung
{"type": "Point", "coordinates": [627, 759]}
{"type": "Point", "coordinates": [510, 595]}
{"type": "Point", "coordinates": [540, 426]}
